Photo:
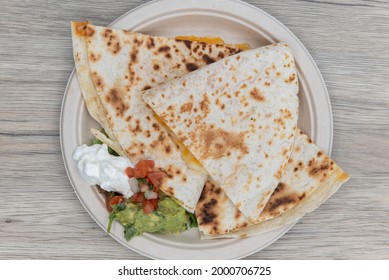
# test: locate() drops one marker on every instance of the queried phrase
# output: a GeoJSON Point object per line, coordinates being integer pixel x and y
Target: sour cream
{"type": "Point", "coordinates": [98, 167]}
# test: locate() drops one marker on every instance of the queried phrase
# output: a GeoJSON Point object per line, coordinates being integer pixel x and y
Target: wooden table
{"type": "Point", "coordinates": [40, 215]}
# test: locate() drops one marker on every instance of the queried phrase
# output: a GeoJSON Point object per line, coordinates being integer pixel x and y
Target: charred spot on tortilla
{"type": "Point", "coordinates": [134, 56]}
{"type": "Point", "coordinates": [191, 67]}
{"type": "Point", "coordinates": [112, 41]}
{"type": "Point", "coordinates": [150, 43]}
{"type": "Point", "coordinates": [131, 73]}
{"type": "Point", "coordinates": [80, 28]}
{"type": "Point", "coordinates": [94, 57]}
{"type": "Point", "coordinates": [156, 67]}
{"type": "Point", "coordinates": [218, 142]}
{"type": "Point", "coordinates": [319, 169]}
{"type": "Point", "coordinates": [115, 99]}
{"type": "Point", "coordinates": [187, 107]}
{"type": "Point", "coordinates": [257, 95]}
{"type": "Point", "coordinates": [98, 81]}
{"type": "Point", "coordinates": [208, 216]}
{"type": "Point", "coordinates": [83, 29]}
{"type": "Point", "coordinates": [147, 133]}
{"type": "Point", "coordinates": [208, 59]}
{"type": "Point", "coordinates": [138, 42]}
{"type": "Point", "coordinates": [146, 88]}
{"type": "Point", "coordinates": [163, 49]}
{"type": "Point", "coordinates": [204, 105]}
{"type": "Point", "coordinates": [278, 202]}
{"type": "Point", "coordinates": [291, 78]}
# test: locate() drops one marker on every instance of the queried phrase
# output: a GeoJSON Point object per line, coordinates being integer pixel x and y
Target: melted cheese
{"type": "Point", "coordinates": [186, 155]}
{"type": "Point", "coordinates": [208, 40]}
{"type": "Point", "coordinates": [213, 40]}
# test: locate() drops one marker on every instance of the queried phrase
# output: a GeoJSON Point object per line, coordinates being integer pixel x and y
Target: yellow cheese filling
{"type": "Point", "coordinates": [213, 40]}
{"type": "Point", "coordinates": [186, 155]}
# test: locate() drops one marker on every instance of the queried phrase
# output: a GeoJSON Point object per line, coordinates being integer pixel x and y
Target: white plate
{"type": "Point", "coordinates": [235, 22]}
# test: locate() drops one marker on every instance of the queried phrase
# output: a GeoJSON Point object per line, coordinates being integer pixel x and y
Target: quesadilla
{"type": "Point", "coordinates": [121, 65]}
{"type": "Point", "coordinates": [310, 178]}
{"type": "Point", "coordinates": [238, 118]}
{"type": "Point", "coordinates": [92, 101]}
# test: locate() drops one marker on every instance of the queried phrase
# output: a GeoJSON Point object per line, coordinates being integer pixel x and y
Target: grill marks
{"type": "Point", "coordinates": [112, 41]}
{"type": "Point", "coordinates": [114, 98]}
{"type": "Point", "coordinates": [98, 81]}
{"type": "Point", "coordinates": [83, 29]}
{"type": "Point", "coordinates": [318, 168]}
{"type": "Point", "coordinates": [150, 43]}
{"type": "Point", "coordinates": [219, 142]}
{"type": "Point", "coordinates": [208, 59]}
{"type": "Point", "coordinates": [282, 199]}
{"type": "Point", "coordinates": [191, 67]}
{"type": "Point", "coordinates": [257, 95]}
{"type": "Point", "coordinates": [207, 206]}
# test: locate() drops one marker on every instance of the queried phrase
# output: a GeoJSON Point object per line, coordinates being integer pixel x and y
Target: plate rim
{"type": "Point", "coordinates": [73, 76]}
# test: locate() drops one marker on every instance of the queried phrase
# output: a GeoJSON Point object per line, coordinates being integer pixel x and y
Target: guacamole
{"type": "Point", "coordinates": [169, 217]}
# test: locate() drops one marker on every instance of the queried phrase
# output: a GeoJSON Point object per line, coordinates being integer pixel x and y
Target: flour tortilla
{"type": "Point", "coordinates": [92, 101]}
{"type": "Point", "coordinates": [123, 64]}
{"type": "Point", "coordinates": [238, 117]}
{"type": "Point", "coordinates": [310, 178]}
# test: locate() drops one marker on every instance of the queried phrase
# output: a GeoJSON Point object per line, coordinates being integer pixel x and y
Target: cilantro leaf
{"type": "Point", "coordinates": [192, 220]}
{"type": "Point", "coordinates": [130, 232]}
{"type": "Point", "coordinates": [144, 181]}
{"type": "Point", "coordinates": [115, 209]}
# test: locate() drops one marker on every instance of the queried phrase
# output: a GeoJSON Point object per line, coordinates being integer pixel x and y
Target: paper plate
{"type": "Point", "coordinates": [235, 22]}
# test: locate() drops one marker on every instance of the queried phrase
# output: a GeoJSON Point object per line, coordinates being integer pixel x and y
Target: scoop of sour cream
{"type": "Point", "coordinates": [98, 167]}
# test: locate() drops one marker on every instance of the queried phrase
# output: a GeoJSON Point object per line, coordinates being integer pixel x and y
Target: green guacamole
{"type": "Point", "coordinates": [169, 217]}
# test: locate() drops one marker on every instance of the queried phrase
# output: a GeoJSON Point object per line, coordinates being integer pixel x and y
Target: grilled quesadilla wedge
{"type": "Point", "coordinates": [310, 178]}
{"type": "Point", "coordinates": [121, 65]}
{"type": "Point", "coordinates": [92, 101]}
{"type": "Point", "coordinates": [238, 118]}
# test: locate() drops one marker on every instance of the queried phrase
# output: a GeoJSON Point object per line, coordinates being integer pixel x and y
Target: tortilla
{"type": "Point", "coordinates": [88, 90]}
{"type": "Point", "coordinates": [123, 64]}
{"type": "Point", "coordinates": [310, 178]}
{"type": "Point", "coordinates": [238, 117]}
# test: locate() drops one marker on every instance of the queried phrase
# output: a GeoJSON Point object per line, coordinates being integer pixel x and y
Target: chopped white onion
{"type": "Point", "coordinates": [134, 185]}
{"type": "Point", "coordinates": [150, 194]}
{"type": "Point", "coordinates": [143, 187]}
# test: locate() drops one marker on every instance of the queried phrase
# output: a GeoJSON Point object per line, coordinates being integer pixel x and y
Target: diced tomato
{"type": "Point", "coordinates": [130, 172]}
{"type": "Point", "coordinates": [138, 197]}
{"type": "Point", "coordinates": [155, 177]}
{"type": "Point", "coordinates": [148, 206]}
{"type": "Point", "coordinates": [154, 202]}
{"type": "Point", "coordinates": [113, 201]}
{"type": "Point", "coordinates": [150, 163]}
{"type": "Point", "coordinates": [141, 169]}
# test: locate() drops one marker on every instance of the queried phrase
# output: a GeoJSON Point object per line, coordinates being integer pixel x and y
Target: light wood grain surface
{"type": "Point", "coordinates": [40, 215]}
